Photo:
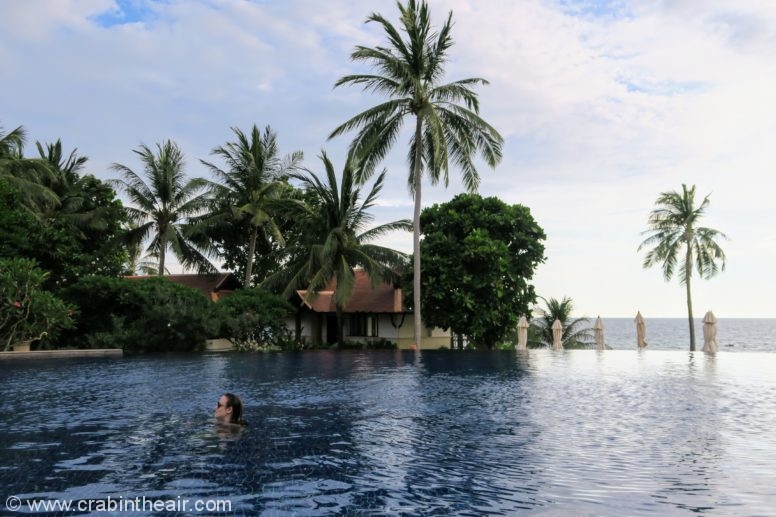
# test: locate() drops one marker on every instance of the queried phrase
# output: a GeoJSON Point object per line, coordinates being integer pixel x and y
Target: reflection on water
{"type": "Point", "coordinates": [582, 432]}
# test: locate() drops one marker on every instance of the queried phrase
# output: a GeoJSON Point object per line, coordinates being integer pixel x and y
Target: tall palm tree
{"type": "Point", "coordinates": [252, 186]}
{"type": "Point", "coordinates": [577, 332]}
{"type": "Point", "coordinates": [337, 239]}
{"type": "Point", "coordinates": [673, 228]}
{"type": "Point", "coordinates": [164, 205]}
{"type": "Point", "coordinates": [447, 122]}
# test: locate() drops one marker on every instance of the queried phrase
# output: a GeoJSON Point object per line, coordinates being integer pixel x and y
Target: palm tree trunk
{"type": "Point", "coordinates": [688, 269]}
{"type": "Point", "coordinates": [251, 252]}
{"type": "Point", "coordinates": [416, 172]}
{"type": "Point", "coordinates": [162, 249]}
{"type": "Point", "coordinates": [340, 325]}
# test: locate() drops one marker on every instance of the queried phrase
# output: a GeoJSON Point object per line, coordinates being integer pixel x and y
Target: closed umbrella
{"type": "Point", "coordinates": [522, 333]}
{"type": "Point", "coordinates": [641, 330]}
{"type": "Point", "coordinates": [599, 334]}
{"type": "Point", "coordinates": [710, 333]}
{"type": "Point", "coordinates": [557, 335]}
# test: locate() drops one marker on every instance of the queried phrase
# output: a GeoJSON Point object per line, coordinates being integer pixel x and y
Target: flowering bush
{"type": "Point", "coordinates": [27, 312]}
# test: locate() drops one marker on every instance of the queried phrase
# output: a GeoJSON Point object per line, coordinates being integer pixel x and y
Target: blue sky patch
{"type": "Point", "coordinates": [129, 11]}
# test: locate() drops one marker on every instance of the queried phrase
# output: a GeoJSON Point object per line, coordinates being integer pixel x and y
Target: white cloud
{"type": "Point", "coordinates": [602, 107]}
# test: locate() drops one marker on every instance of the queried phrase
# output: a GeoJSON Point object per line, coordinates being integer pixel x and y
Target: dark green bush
{"type": "Point", "coordinates": [254, 319]}
{"type": "Point", "coordinates": [140, 315]}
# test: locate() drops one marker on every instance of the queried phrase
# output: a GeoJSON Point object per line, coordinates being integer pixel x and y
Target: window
{"type": "Point", "coordinates": [363, 325]}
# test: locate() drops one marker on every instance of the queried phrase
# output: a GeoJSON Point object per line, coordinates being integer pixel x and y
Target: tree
{"type": "Point", "coordinates": [337, 240]}
{"type": "Point", "coordinates": [253, 187]}
{"type": "Point", "coordinates": [24, 174]}
{"type": "Point", "coordinates": [577, 332]}
{"type": "Point", "coordinates": [79, 234]}
{"type": "Point", "coordinates": [673, 228]}
{"type": "Point", "coordinates": [447, 122]}
{"type": "Point", "coordinates": [164, 205]}
{"type": "Point", "coordinates": [479, 255]}
{"type": "Point", "coordinates": [27, 311]}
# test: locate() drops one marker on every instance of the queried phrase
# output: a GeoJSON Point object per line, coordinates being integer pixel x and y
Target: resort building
{"type": "Point", "coordinates": [377, 314]}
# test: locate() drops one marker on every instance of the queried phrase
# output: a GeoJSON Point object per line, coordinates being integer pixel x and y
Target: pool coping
{"type": "Point", "coordinates": [54, 354]}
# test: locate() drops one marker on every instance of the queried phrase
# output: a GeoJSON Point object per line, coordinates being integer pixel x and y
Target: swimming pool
{"type": "Point", "coordinates": [390, 433]}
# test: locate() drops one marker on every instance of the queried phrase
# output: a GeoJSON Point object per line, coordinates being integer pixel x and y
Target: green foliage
{"type": "Point", "coordinates": [255, 319]}
{"type": "Point", "coordinates": [673, 231]}
{"type": "Point", "coordinates": [251, 189]}
{"type": "Point", "coordinates": [164, 205]}
{"type": "Point", "coordinates": [337, 238]}
{"type": "Point", "coordinates": [447, 125]}
{"type": "Point", "coordinates": [27, 311]}
{"type": "Point", "coordinates": [479, 255]}
{"type": "Point", "coordinates": [143, 315]}
{"type": "Point", "coordinates": [70, 240]}
{"type": "Point", "coordinates": [577, 332]}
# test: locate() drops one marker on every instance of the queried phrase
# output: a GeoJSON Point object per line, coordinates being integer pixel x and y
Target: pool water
{"type": "Point", "coordinates": [395, 433]}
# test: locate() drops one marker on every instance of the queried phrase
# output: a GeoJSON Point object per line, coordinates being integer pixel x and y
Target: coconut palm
{"type": "Point", "coordinates": [28, 175]}
{"type": "Point", "coordinates": [252, 187]}
{"type": "Point", "coordinates": [446, 116]}
{"type": "Point", "coordinates": [577, 332]}
{"type": "Point", "coordinates": [11, 144]}
{"type": "Point", "coordinates": [164, 204]}
{"type": "Point", "coordinates": [337, 239]}
{"type": "Point", "coordinates": [673, 229]}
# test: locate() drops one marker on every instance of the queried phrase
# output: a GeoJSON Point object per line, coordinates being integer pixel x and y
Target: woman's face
{"type": "Point", "coordinates": [222, 413]}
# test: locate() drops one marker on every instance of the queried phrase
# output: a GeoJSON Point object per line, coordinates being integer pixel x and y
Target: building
{"type": "Point", "coordinates": [372, 314]}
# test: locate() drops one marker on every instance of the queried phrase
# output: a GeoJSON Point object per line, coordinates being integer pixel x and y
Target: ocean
{"type": "Point", "coordinates": [733, 334]}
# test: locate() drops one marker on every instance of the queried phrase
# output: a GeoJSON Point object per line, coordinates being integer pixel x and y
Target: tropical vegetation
{"type": "Point", "coordinates": [447, 125]}
{"type": "Point", "coordinates": [164, 204]}
{"type": "Point", "coordinates": [338, 237]}
{"type": "Point", "coordinates": [27, 311]}
{"type": "Point", "coordinates": [676, 239]}
{"type": "Point", "coordinates": [251, 189]}
{"type": "Point", "coordinates": [577, 332]}
{"type": "Point", "coordinates": [479, 255]}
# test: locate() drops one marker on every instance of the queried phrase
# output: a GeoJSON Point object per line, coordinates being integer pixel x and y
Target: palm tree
{"type": "Point", "coordinates": [577, 332]}
{"type": "Point", "coordinates": [164, 205]}
{"type": "Point", "coordinates": [673, 227]}
{"type": "Point", "coordinates": [11, 144]}
{"type": "Point", "coordinates": [410, 72]}
{"type": "Point", "coordinates": [336, 240]}
{"type": "Point", "coordinates": [28, 175]}
{"type": "Point", "coordinates": [253, 186]}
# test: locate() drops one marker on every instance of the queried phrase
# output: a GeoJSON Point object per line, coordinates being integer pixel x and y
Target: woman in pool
{"type": "Point", "coordinates": [229, 410]}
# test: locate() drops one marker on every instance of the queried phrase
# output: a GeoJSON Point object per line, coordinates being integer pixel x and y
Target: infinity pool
{"type": "Point", "coordinates": [392, 433]}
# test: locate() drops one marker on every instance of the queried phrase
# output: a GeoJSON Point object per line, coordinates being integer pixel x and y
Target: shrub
{"type": "Point", "coordinates": [255, 319]}
{"type": "Point", "coordinates": [27, 311]}
{"type": "Point", "coordinates": [148, 315]}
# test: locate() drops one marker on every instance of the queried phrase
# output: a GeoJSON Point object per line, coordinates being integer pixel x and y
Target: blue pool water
{"type": "Point", "coordinates": [394, 433]}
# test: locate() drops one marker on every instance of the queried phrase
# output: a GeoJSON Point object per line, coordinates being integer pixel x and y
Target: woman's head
{"type": "Point", "coordinates": [229, 409]}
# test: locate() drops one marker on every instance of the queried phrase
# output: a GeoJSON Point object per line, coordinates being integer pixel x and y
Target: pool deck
{"type": "Point", "coordinates": [57, 354]}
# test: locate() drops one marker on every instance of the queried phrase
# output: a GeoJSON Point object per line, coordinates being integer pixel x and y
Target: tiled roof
{"type": "Point", "coordinates": [382, 299]}
{"type": "Point", "coordinates": [213, 286]}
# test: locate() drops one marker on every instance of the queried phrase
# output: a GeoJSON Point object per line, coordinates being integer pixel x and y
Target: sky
{"type": "Point", "coordinates": [603, 105]}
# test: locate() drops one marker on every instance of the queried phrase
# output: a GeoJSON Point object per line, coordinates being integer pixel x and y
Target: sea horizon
{"type": "Point", "coordinates": [733, 334]}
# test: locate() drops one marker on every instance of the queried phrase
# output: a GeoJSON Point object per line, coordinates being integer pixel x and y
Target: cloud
{"type": "Point", "coordinates": [603, 105]}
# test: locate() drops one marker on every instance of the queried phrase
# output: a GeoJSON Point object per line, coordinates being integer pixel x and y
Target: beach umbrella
{"type": "Point", "coordinates": [522, 333]}
{"type": "Point", "coordinates": [710, 333]}
{"type": "Point", "coordinates": [557, 335]}
{"type": "Point", "coordinates": [599, 334]}
{"type": "Point", "coordinates": [641, 330]}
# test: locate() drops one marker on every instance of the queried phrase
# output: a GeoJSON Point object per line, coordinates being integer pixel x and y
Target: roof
{"type": "Point", "coordinates": [385, 298]}
{"type": "Point", "coordinates": [214, 286]}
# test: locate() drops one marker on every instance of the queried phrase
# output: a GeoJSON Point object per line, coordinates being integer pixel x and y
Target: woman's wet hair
{"type": "Point", "coordinates": [234, 402]}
